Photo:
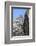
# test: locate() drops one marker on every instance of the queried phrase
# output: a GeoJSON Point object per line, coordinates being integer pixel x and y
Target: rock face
{"type": "Point", "coordinates": [18, 23]}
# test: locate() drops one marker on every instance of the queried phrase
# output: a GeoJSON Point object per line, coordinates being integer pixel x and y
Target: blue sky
{"type": "Point", "coordinates": [18, 12]}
